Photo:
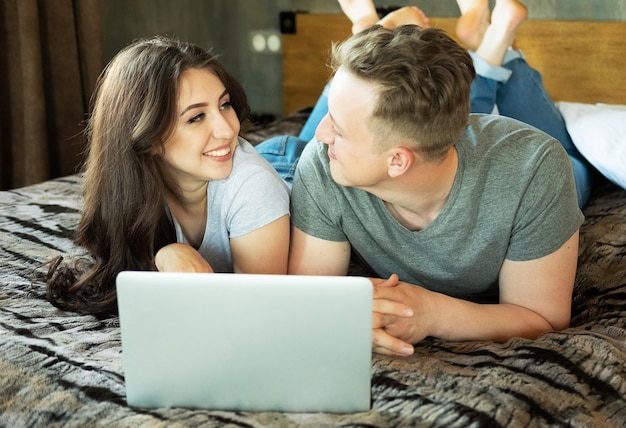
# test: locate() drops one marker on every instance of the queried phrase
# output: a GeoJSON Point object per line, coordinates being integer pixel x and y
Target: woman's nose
{"type": "Point", "coordinates": [223, 128]}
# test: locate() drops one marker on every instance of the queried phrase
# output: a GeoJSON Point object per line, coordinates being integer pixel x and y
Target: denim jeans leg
{"type": "Point", "coordinates": [484, 89]}
{"type": "Point", "coordinates": [483, 95]}
{"type": "Point", "coordinates": [319, 111]}
{"type": "Point", "coordinates": [525, 98]}
{"type": "Point", "coordinates": [283, 153]}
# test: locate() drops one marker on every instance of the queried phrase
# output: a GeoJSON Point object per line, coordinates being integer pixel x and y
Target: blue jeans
{"type": "Point", "coordinates": [518, 92]}
{"type": "Point", "coordinates": [515, 88]}
{"type": "Point", "coordinates": [283, 152]}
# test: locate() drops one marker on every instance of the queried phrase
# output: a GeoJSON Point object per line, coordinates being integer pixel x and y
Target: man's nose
{"type": "Point", "coordinates": [324, 131]}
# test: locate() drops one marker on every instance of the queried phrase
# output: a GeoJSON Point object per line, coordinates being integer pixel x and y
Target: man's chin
{"type": "Point", "coordinates": [338, 178]}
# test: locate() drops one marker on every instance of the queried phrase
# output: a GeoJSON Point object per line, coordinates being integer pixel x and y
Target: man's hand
{"type": "Point", "coordinates": [396, 322]}
{"type": "Point", "coordinates": [535, 297]}
{"type": "Point", "coordinates": [181, 258]}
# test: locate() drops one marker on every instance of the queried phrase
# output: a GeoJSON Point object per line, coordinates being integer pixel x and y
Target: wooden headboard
{"type": "Point", "coordinates": [581, 61]}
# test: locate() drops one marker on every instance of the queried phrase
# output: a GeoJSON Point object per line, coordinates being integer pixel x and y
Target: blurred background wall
{"type": "Point", "coordinates": [228, 26]}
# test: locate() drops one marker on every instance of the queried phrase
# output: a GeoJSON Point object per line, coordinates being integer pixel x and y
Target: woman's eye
{"type": "Point", "coordinates": [226, 105]}
{"type": "Point", "coordinates": [196, 118]}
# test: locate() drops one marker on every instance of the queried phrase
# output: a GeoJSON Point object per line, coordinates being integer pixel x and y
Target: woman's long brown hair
{"type": "Point", "coordinates": [123, 221]}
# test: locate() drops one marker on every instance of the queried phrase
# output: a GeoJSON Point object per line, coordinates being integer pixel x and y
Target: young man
{"type": "Point", "coordinates": [503, 79]}
{"type": "Point", "coordinates": [473, 219]}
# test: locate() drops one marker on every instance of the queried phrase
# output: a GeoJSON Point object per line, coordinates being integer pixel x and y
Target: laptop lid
{"type": "Point", "coordinates": [246, 342]}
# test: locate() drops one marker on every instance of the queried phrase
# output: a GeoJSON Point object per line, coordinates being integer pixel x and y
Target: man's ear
{"type": "Point", "coordinates": [400, 161]}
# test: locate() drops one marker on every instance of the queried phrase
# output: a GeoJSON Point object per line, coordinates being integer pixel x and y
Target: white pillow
{"type": "Point", "coordinates": [599, 133]}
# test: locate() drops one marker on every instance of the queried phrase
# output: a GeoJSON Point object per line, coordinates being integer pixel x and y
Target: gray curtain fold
{"type": "Point", "coordinates": [50, 57]}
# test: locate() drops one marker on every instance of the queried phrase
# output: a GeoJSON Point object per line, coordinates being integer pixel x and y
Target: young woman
{"type": "Point", "coordinates": [168, 183]}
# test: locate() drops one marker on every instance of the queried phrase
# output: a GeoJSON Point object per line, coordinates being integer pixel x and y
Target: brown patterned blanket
{"type": "Point", "coordinates": [62, 369]}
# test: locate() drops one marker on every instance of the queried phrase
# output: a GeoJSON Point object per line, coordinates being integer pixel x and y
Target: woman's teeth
{"type": "Point", "coordinates": [220, 152]}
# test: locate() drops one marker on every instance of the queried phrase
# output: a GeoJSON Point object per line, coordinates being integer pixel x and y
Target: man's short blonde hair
{"type": "Point", "coordinates": [423, 78]}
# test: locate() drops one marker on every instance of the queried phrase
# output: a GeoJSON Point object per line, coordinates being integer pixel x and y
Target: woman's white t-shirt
{"type": "Point", "coordinates": [252, 196]}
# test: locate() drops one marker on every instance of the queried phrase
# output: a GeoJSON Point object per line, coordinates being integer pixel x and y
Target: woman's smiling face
{"type": "Point", "coordinates": [203, 142]}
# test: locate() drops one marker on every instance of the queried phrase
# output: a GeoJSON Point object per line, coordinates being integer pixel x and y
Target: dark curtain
{"type": "Point", "coordinates": [50, 57]}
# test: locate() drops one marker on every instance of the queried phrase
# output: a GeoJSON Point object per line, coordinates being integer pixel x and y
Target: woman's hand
{"type": "Point", "coordinates": [181, 258]}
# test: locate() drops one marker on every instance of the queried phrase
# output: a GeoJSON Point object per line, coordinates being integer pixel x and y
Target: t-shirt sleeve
{"type": "Point", "coordinates": [314, 204]}
{"type": "Point", "coordinates": [548, 214]}
{"type": "Point", "coordinates": [259, 199]}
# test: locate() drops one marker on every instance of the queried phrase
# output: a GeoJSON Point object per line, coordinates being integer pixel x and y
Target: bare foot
{"type": "Point", "coordinates": [509, 15]}
{"type": "Point", "coordinates": [363, 23]}
{"type": "Point", "coordinates": [362, 13]}
{"type": "Point", "coordinates": [473, 22]}
{"type": "Point", "coordinates": [403, 16]}
{"type": "Point", "coordinates": [506, 17]}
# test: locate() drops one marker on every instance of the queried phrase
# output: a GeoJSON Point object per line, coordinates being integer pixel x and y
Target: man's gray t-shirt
{"type": "Point", "coordinates": [252, 196]}
{"type": "Point", "coordinates": [513, 198]}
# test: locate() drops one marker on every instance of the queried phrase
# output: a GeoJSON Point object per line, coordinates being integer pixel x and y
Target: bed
{"type": "Point", "coordinates": [63, 369]}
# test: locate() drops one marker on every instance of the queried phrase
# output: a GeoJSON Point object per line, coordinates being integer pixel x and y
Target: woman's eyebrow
{"type": "Point", "coordinates": [192, 106]}
{"type": "Point", "coordinates": [196, 105]}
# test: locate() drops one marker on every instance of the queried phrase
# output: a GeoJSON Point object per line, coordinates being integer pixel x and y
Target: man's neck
{"type": "Point", "coordinates": [416, 198]}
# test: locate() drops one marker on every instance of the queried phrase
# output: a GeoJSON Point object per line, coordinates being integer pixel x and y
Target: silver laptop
{"type": "Point", "coordinates": [246, 342]}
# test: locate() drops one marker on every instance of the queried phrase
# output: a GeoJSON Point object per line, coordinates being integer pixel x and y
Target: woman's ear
{"type": "Point", "coordinates": [157, 150]}
{"type": "Point", "coordinates": [400, 161]}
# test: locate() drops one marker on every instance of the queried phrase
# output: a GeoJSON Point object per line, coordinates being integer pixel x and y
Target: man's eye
{"type": "Point", "coordinates": [196, 118]}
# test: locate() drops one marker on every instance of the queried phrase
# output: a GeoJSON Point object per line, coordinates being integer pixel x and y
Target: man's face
{"type": "Point", "coordinates": [354, 159]}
